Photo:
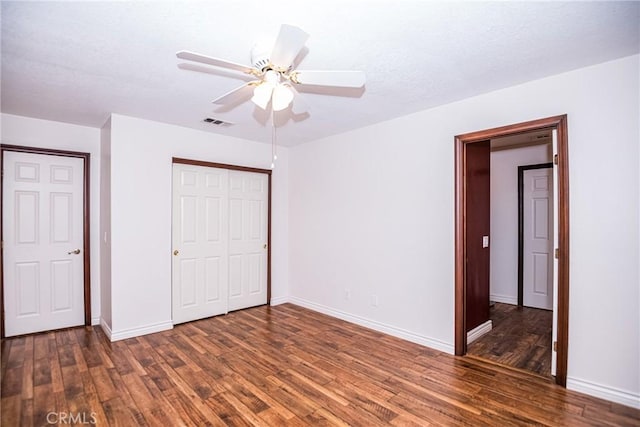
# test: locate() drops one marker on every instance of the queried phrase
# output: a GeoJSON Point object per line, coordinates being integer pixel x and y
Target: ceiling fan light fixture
{"type": "Point", "coordinates": [272, 77]}
{"type": "Point", "coordinates": [262, 95]}
{"type": "Point", "coordinates": [281, 98]}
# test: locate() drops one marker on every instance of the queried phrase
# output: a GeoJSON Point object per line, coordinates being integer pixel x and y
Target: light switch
{"type": "Point", "coordinates": [485, 241]}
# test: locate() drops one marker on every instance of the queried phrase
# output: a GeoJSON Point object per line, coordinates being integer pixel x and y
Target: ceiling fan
{"type": "Point", "coordinates": [272, 68]}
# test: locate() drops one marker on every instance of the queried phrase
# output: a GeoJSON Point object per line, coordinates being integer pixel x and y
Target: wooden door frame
{"type": "Point", "coordinates": [268, 172]}
{"type": "Point", "coordinates": [86, 157]}
{"type": "Point", "coordinates": [560, 124]}
{"type": "Point", "coordinates": [521, 170]}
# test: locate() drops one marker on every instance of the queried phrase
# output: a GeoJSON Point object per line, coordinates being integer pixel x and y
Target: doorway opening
{"type": "Point", "coordinates": [467, 273]}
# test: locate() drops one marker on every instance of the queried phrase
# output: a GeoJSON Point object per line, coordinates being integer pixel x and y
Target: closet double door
{"type": "Point", "coordinates": [219, 235]}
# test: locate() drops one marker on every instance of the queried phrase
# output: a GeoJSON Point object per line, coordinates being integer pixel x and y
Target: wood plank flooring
{"type": "Point", "coordinates": [274, 366]}
{"type": "Point", "coordinates": [520, 337]}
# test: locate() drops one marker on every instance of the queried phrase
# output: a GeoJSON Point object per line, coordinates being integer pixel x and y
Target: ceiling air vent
{"type": "Point", "coordinates": [217, 122]}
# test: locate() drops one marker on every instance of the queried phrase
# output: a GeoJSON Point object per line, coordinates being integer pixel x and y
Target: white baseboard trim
{"type": "Point", "coordinates": [95, 321]}
{"type": "Point", "coordinates": [279, 300]}
{"type": "Point", "coordinates": [377, 326]}
{"type": "Point", "coordinates": [136, 332]}
{"type": "Point", "coordinates": [105, 328]}
{"type": "Point", "coordinates": [609, 393]}
{"type": "Point", "coordinates": [506, 299]}
{"type": "Point", "coordinates": [479, 331]}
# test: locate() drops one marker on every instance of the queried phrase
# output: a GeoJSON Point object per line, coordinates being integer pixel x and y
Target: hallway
{"type": "Point", "coordinates": [520, 338]}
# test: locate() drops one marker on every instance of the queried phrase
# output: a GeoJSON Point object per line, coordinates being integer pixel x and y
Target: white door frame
{"type": "Point", "coordinates": [243, 169]}
{"type": "Point", "coordinates": [86, 226]}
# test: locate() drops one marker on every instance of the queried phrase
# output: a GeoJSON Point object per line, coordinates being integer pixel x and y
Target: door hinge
{"type": "Point", "coordinates": [555, 159]}
{"type": "Point", "coordinates": [556, 253]}
{"type": "Point", "coordinates": [555, 346]}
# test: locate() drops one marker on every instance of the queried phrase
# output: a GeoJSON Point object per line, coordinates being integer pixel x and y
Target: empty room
{"type": "Point", "coordinates": [320, 213]}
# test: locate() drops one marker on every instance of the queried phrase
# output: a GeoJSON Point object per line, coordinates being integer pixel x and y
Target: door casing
{"type": "Point", "coordinates": [85, 218]}
{"type": "Point", "coordinates": [461, 141]}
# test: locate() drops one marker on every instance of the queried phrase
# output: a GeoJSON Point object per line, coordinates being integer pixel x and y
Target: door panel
{"type": "Point", "coordinates": [235, 276]}
{"type": "Point", "coordinates": [42, 229]}
{"type": "Point", "coordinates": [61, 217]}
{"type": "Point", "coordinates": [199, 216]}
{"type": "Point", "coordinates": [61, 280]}
{"type": "Point", "coordinates": [477, 171]}
{"type": "Point", "coordinates": [212, 279]}
{"type": "Point", "coordinates": [247, 247]}
{"type": "Point", "coordinates": [537, 288]}
{"type": "Point", "coordinates": [213, 221]}
{"type": "Point", "coordinates": [27, 283]}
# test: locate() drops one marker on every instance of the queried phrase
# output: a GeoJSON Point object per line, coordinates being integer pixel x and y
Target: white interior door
{"type": "Point", "coordinates": [537, 242]}
{"type": "Point", "coordinates": [199, 269]}
{"type": "Point", "coordinates": [248, 199]}
{"type": "Point", "coordinates": [43, 241]}
{"type": "Point", "coordinates": [556, 224]}
{"type": "Point", "coordinates": [219, 241]}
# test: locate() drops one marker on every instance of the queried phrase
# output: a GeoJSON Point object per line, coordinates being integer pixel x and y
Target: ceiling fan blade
{"type": "Point", "coordinates": [215, 71]}
{"type": "Point", "coordinates": [353, 79]}
{"type": "Point", "coordinates": [236, 95]}
{"type": "Point", "coordinates": [192, 56]}
{"type": "Point", "coordinates": [288, 45]}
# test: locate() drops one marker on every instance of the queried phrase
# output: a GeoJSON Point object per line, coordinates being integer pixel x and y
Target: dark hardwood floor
{"type": "Point", "coordinates": [520, 337]}
{"type": "Point", "coordinates": [274, 366]}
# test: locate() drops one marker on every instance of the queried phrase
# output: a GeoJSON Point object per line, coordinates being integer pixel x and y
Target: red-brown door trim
{"type": "Point", "coordinates": [86, 157]}
{"type": "Point", "coordinates": [560, 124]}
{"type": "Point", "coordinates": [268, 172]}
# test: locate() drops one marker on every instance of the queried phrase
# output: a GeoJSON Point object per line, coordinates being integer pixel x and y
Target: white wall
{"type": "Point", "coordinates": [17, 130]}
{"type": "Point", "coordinates": [141, 170]}
{"type": "Point", "coordinates": [371, 213]}
{"type": "Point", "coordinates": [503, 282]}
{"type": "Point", "coordinates": [105, 225]}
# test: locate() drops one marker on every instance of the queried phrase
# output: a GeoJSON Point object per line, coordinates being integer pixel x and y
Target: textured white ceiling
{"type": "Point", "coordinates": [78, 62]}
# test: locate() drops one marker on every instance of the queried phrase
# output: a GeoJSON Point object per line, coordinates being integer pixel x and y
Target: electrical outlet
{"type": "Point", "coordinates": [347, 294]}
{"type": "Point", "coordinates": [374, 300]}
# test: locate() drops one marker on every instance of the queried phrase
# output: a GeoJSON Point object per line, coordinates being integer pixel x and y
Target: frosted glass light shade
{"type": "Point", "coordinates": [282, 97]}
{"type": "Point", "coordinates": [262, 95]}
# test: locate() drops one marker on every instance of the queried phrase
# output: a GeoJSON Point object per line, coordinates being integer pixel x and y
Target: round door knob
{"type": "Point", "coordinates": [176, 252]}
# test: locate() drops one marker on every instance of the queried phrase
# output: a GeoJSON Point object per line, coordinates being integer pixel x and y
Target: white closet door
{"type": "Point", "coordinates": [200, 247]}
{"type": "Point", "coordinates": [248, 223]}
{"type": "Point", "coordinates": [220, 234]}
{"type": "Point", "coordinates": [43, 264]}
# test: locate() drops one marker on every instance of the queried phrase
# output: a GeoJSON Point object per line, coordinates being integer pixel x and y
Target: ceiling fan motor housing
{"type": "Point", "coordinates": [260, 55]}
